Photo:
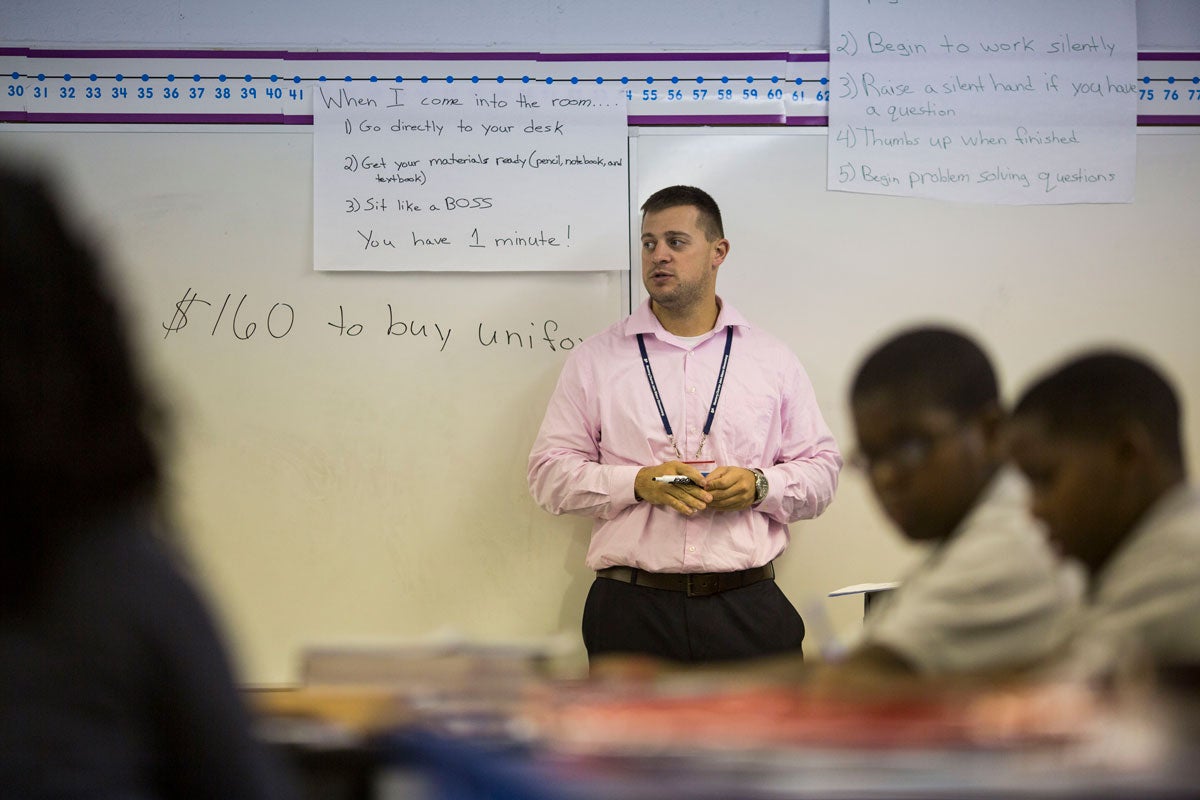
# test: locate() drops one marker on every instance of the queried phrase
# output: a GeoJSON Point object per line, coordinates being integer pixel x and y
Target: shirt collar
{"type": "Point", "coordinates": [1174, 501]}
{"type": "Point", "coordinates": [642, 320]}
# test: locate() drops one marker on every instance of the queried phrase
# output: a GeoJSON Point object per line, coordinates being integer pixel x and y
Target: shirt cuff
{"type": "Point", "coordinates": [620, 485]}
{"type": "Point", "coordinates": [776, 483]}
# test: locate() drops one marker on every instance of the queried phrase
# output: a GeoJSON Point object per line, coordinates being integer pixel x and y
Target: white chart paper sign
{"type": "Point", "coordinates": [470, 177]}
{"type": "Point", "coordinates": [1022, 101]}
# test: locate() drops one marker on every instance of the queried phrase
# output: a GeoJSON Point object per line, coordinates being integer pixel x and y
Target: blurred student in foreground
{"type": "Point", "coordinates": [1099, 439]}
{"type": "Point", "coordinates": [990, 594]}
{"type": "Point", "coordinates": [113, 682]}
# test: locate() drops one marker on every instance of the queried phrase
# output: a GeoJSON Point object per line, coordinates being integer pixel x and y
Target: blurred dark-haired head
{"type": "Point", "coordinates": [933, 366]}
{"type": "Point", "coordinates": [1093, 395]}
{"type": "Point", "coordinates": [75, 424]}
{"type": "Point", "coordinates": [1099, 438]}
{"type": "Point", "coordinates": [927, 416]}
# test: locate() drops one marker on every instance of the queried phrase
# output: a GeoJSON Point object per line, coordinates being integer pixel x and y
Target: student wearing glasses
{"type": "Point", "coordinates": [991, 594]}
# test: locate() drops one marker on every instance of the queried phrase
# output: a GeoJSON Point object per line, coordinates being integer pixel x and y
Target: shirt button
{"type": "Point", "coordinates": [692, 549]}
{"type": "Point", "coordinates": [692, 389]}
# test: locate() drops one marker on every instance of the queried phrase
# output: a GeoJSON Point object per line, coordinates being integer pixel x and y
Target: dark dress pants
{"type": "Point", "coordinates": [751, 621]}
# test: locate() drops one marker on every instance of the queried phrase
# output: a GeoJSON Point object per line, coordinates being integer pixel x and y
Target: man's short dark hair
{"type": "Point", "coordinates": [1095, 394]}
{"type": "Point", "coordinates": [932, 365]}
{"type": "Point", "coordinates": [673, 196]}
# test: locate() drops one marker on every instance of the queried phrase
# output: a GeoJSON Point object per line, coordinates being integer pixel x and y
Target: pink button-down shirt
{"type": "Point", "coordinates": [602, 426]}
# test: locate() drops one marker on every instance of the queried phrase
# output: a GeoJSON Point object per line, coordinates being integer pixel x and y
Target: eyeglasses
{"type": "Point", "coordinates": [906, 454]}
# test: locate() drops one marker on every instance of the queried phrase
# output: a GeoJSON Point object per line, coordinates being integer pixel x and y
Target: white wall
{"type": "Point", "coordinates": [316, 515]}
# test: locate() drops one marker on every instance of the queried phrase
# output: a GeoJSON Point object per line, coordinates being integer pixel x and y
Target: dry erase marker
{"type": "Point", "coordinates": [674, 479]}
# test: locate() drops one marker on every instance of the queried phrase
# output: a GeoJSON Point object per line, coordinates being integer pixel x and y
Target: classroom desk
{"type": "Point", "coordinates": [462, 770]}
{"type": "Point", "coordinates": [412, 760]}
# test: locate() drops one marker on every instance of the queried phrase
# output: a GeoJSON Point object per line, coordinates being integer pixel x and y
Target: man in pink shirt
{"type": "Point", "coordinates": [685, 387]}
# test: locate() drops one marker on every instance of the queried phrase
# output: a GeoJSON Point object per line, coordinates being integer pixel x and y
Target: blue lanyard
{"type": "Point", "coordinates": [712, 408]}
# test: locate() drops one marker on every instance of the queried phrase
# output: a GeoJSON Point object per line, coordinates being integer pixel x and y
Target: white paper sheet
{"type": "Point", "coordinates": [1026, 101]}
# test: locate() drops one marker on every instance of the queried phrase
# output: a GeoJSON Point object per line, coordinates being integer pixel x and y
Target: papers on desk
{"type": "Point", "coordinates": [445, 683]}
{"type": "Point", "coordinates": [780, 738]}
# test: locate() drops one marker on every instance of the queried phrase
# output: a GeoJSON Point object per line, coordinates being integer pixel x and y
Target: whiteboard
{"type": "Point", "coordinates": [334, 487]}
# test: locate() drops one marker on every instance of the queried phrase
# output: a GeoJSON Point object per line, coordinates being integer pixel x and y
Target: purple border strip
{"type": "Point", "coordinates": [769, 56]}
{"type": "Point", "coordinates": [145, 119]}
{"type": "Point", "coordinates": [342, 55]}
{"type": "Point", "coordinates": [492, 55]}
{"type": "Point", "coordinates": [213, 54]}
{"type": "Point", "coordinates": [816, 122]}
{"type": "Point", "coordinates": [1149, 120]}
{"type": "Point", "coordinates": [1168, 119]}
{"type": "Point", "coordinates": [1168, 57]}
{"type": "Point", "coordinates": [705, 119]}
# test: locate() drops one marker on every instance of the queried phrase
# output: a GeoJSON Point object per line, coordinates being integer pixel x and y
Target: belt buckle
{"type": "Point", "coordinates": [702, 584]}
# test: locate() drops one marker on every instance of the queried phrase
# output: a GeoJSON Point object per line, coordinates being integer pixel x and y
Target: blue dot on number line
{"type": "Point", "coordinates": [674, 79]}
{"type": "Point", "coordinates": [41, 76]}
{"type": "Point", "coordinates": [549, 81]}
{"type": "Point", "coordinates": [171, 78]}
{"type": "Point", "coordinates": [599, 79]}
{"type": "Point", "coordinates": [145, 77]}
{"type": "Point", "coordinates": [295, 78]}
{"type": "Point", "coordinates": [474, 79]}
{"type": "Point", "coordinates": [749, 79]}
{"type": "Point", "coordinates": [724, 79]}
{"type": "Point", "coordinates": [449, 79]}
{"type": "Point", "coordinates": [91, 77]}
{"type": "Point", "coordinates": [499, 79]}
{"type": "Point", "coordinates": [249, 78]}
{"type": "Point", "coordinates": [1196, 79]}
{"type": "Point", "coordinates": [625, 79]}
{"type": "Point", "coordinates": [67, 77]}
{"type": "Point", "coordinates": [16, 76]}
{"type": "Point", "coordinates": [699, 79]}
{"type": "Point", "coordinates": [1171, 79]}
{"type": "Point", "coordinates": [574, 79]}
{"type": "Point", "coordinates": [1146, 79]}
{"type": "Point", "coordinates": [196, 78]}
{"type": "Point", "coordinates": [119, 77]}
{"type": "Point", "coordinates": [321, 79]}
{"type": "Point", "coordinates": [221, 78]}
{"type": "Point", "coordinates": [399, 79]}
{"type": "Point", "coordinates": [774, 79]}
{"type": "Point", "coordinates": [374, 79]}
{"type": "Point", "coordinates": [524, 79]}
{"type": "Point", "coordinates": [348, 79]}
{"type": "Point", "coordinates": [274, 78]}
{"type": "Point", "coordinates": [424, 79]}
{"type": "Point", "coordinates": [649, 79]}
{"type": "Point", "coordinates": [824, 81]}
{"type": "Point", "coordinates": [799, 81]}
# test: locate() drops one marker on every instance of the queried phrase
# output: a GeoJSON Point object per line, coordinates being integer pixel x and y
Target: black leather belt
{"type": "Point", "coordinates": [696, 584]}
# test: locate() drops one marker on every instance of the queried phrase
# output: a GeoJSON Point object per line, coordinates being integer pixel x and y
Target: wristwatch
{"type": "Point", "coordinates": [760, 485]}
